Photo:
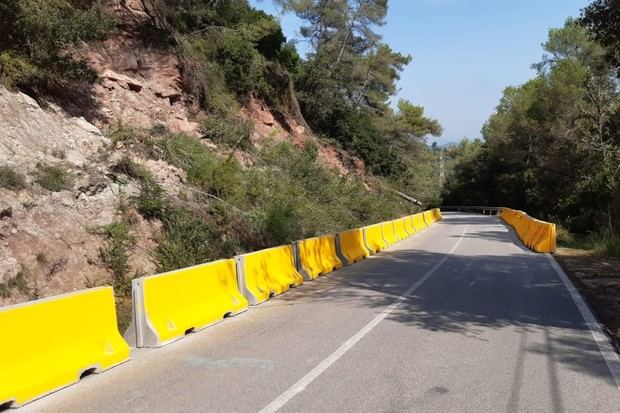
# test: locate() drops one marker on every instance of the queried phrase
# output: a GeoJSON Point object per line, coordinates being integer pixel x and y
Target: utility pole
{"type": "Point", "coordinates": [442, 168]}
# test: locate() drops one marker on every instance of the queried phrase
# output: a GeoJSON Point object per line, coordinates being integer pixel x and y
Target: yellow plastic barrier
{"type": "Point", "coordinates": [266, 273]}
{"type": "Point", "coordinates": [167, 306]}
{"type": "Point", "coordinates": [48, 344]}
{"type": "Point", "coordinates": [537, 235]}
{"type": "Point", "coordinates": [318, 256]}
{"type": "Point", "coordinates": [389, 235]}
{"type": "Point", "coordinates": [418, 222]}
{"type": "Point", "coordinates": [428, 217]}
{"type": "Point", "coordinates": [400, 230]}
{"type": "Point", "coordinates": [352, 245]}
{"type": "Point", "coordinates": [374, 238]}
{"type": "Point", "coordinates": [409, 225]}
{"type": "Point", "coordinates": [437, 214]}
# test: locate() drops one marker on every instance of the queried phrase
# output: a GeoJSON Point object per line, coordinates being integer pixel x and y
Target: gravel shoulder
{"type": "Point", "coordinates": [598, 279]}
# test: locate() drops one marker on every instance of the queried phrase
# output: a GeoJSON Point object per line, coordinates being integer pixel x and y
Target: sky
{"type": "Point", "coordinates": [465, 52]}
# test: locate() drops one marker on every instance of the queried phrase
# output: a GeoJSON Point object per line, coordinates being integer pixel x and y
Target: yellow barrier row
{"type": "Point", "coordinates": [389, 235]}
{"type": "Point", "coordinates": [380, 236]}
{"type": "Point", "coordinates": [537, 235]}
{"type": "Point", "coordinates": [352, 245]}
{"type": "Point", "coordinates": [49, 344]}
{"type": "Point", "coordinates": [374, 238]}
{"type": "Point", "coordinates": [167, 306]}
{"type": "Point", "coordinates": [409, 226]}
{"type": "Point", "coordinates": [266, 273]}
{"type": "Point", "coordinates": [418, 222]}
{"type": "Point", "coordinates": [318, 256]}
{"type": "Point", "coordinates": [400, 229]}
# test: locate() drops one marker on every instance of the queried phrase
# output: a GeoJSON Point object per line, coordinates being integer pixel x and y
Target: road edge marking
{"type": "Point", "coordinates": [306, 380]}
{"type": "Point", "coordinates": [601, 339]}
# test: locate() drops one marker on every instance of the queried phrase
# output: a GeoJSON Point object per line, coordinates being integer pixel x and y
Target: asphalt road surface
{"type": "Point", "coordinates": [459, 318]}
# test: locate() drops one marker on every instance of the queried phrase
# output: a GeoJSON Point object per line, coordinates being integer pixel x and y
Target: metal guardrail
{"type": "Point", "coordinates": [486, 210]}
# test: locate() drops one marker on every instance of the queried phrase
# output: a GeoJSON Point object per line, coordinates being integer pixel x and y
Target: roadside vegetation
{"type": "Point", "coordinates": [227, 209]}
{"type": "Point", "coordinates": [53, 177]}
{"type": "Point", "coordinates": [552, 148]}
{"type": "Point", "coordinates": [231, 52]}
{"type": "Point", "coordinates": [35, 40]}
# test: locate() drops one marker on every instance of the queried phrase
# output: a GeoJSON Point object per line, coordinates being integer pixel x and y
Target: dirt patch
{"type": "Point", "coordinates": [598, 279]}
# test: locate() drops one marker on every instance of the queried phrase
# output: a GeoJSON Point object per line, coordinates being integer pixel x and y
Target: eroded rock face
{"type": "Point", "coordinates": [140, 83]}
{"type": "Point", "coordinates": [48, 240]}
{"type": "Point", "coordinates": [267, 127]}
{"type": "Point", "coordinates": [31, 135]}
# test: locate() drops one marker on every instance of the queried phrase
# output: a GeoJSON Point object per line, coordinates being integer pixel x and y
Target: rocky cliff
{"type": "Point", "coordinates": [50, 238]}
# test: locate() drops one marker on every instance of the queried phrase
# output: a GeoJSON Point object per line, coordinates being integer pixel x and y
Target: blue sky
{"type": "Point", "coordinates": [465, 52]}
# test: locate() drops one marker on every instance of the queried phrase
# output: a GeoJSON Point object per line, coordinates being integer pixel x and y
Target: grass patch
{"type": "Point", "coordinates": [123, 133]}
{"type": "Point", "coordinates": [286, 195]}
{"type": "Point", "coordinates": [128, 167]}
{"type": "Point", "coordinates": [187, 241]}
{"type": "Point", "coordinates": [10, 179]}
{"type": "Point", "coordinates": [228, 130]}
{"type": "Point", "coordinates": [602, 243]}
{"type": "Point", "coordinates": [53, 178]}
{"type": "Point", "coordinates": [115, 254]}
{"type": "Point", "coordinates": [152, 202]}
{"type": "Point", "coordinates": [220, 177]}
{"type": "Point", "coordinates": [188, 238]}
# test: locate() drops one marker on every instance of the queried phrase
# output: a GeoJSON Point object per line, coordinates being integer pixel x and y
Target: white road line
{"type": "Point", "coordinates": [602, 341]}
{"type": "Point", "coordinates": [298, 387]}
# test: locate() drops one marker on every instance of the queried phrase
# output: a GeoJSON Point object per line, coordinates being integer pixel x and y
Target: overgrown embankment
{"type": "Point", "coordinates": [143, 136]}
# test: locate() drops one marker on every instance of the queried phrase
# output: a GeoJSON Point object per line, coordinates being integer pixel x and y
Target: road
{"type": "Point", "coordinates": [459, 318]}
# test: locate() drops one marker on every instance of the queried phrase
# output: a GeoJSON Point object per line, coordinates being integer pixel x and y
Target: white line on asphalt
{"type": "Point", "coordinates": [298, 387]}
{"type": "Point", "coordinates": [602, 341]}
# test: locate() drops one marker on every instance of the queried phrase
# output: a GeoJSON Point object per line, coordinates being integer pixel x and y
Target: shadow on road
{"type": "Point", "coordinates": [468, 295]}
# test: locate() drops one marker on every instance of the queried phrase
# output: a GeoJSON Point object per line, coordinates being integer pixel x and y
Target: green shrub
{"type": "Point", "coordinates": [294, 196]}
{"type": "Point", "coordinates": [115, 254]}
{"type": "Point", "coordinates": [204, 169]}
{"type": "Point", "coordinates": [229, 131]}
{"type": "Point", "coordinates": [187, 238]}
{"type": "Point", "coordinates": [564, 237]}
{"type": "Point", "coordinates": [205, 78]}
{"type": "Point", "coordinates": [151, 203]}
{"type": "Point", "coordinates": [10, 179]}
{"type": "Point", "coordinates": [183, 151]}
{"type": "Point", "coordinates": [128, 167]}
{"type": "Point", "coordinates": [53, 178]}
{"type": "Point", "coordinates": [16, 71]}
{"type": "Point", "coordinates": [122, 133]}
{"type": "Point", "coordinates": [186, 241]}
{"type": "Point", "coordinates": [289, 196]}
{"type": "Point", "coordinates": [227, 178]}
{"type": "Point", "coordinates": [282, 224]}
{"type": "Point", "coordinates": [36, 38]}
{"type": "Point", "coordinates": [601, 242]}
{"type": "Point", "coordinates": [604, 243]}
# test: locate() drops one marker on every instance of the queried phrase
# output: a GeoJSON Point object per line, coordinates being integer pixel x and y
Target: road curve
{"type": "Point", "coordinates": [460, 318]}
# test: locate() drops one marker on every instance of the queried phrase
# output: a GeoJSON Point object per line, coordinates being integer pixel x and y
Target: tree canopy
{"type": "Point", "coordinates": [552, 147]}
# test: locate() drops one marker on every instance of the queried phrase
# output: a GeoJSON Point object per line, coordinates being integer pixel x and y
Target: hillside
{"type": "Point", "coordinates": [129, 146]}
